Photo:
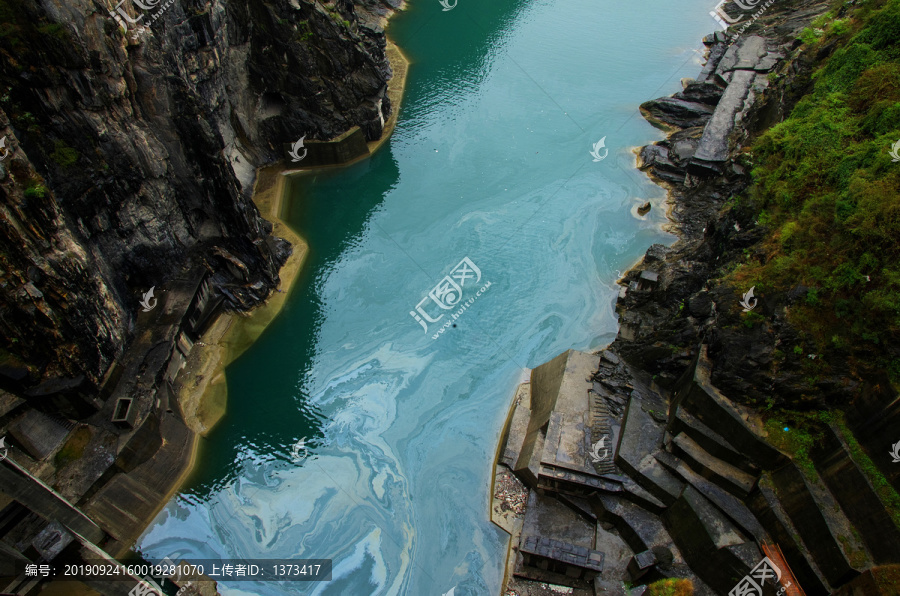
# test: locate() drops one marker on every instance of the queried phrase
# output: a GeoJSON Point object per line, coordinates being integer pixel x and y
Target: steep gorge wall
{"type": "Point", "coordinates": [132, 154]}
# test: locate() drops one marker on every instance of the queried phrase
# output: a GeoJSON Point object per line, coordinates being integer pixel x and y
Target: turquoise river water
{"type": "Point", "coordinates": [490, 161]}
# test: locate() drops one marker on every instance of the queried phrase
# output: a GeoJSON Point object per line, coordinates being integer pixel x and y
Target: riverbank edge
{"type": "Point", "coordinates": [202, 394]}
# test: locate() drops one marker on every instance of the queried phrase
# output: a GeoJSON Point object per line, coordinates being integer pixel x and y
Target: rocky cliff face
{"type": "Point", "coordinates": [131, 154]}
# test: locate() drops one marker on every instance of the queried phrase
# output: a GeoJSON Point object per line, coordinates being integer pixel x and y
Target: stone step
{"type": "Point", "coordinates": [820, 526]}
{"type": "Point", "coordinates": [517, 426]}
{"type": "Point", "coordinates": [701, 398]}
{"type": "Point", "coordinates": [639, 528]}
{"type": "Point", "coordinates": [735, 481]}
{"type": "Point", "coordinates": [636, 494]}
{"type": "Point", "coordinates": [639, 437]}
{"type": "Point", "coordinates": [656, 480]}
{"type": "Point", "coordinates": [685, 422]}
{"type": "Point", "coordinates": [857, 497]}
{"type": "Point", "coordinates": [768, 510]}
{"type": "Point", "coordinates": [726, 502]}
{"type": "Point", "coordinates": [715, 549]}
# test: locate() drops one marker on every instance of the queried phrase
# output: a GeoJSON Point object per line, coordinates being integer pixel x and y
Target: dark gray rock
{"type": "Point", "coordinates": [674, 112]}
{"type": "Point", "coordinates": [705, 92]}
{"type": "Point", "coordinates": [714, 147]}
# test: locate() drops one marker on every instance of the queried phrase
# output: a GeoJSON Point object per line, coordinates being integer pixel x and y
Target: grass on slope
{"type": "Point", "coordinates": [828, 187]}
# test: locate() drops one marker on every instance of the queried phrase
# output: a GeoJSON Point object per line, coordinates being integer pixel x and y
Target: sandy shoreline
{"type": "Point", "coordinates": [202, 392]}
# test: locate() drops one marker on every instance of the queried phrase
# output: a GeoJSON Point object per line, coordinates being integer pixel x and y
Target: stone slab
{"type": "Point", "coordinates": [857, 497]}
{"type": "Point", "coordinates": [727, 503]}
{"type": "Point", "coordinates": [735, 481]}
{"type": "Point", "coordinates": [765, 506]}
{"type": "Point", "coordinates": [814, 527]}
{"type": "Point", "coordinates": [714, 144]}
{"type": "Point", "coordinates": [38, 434]}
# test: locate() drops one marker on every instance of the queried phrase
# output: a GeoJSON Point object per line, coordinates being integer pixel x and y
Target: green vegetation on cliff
{"type": "Point", "coordinates": [826, 185]}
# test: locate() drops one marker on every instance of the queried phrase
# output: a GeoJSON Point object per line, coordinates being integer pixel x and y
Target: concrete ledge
{"type": "Point", "coordinates": [340, 150]}
{"type": "Point", "coordinates": [713, 443]}
{"type": "Point", "coordinates": [857, 497]}
{"type": "Point", "coordinates": [640, 529]}
{"type": "Point", "coordinates": [808, 517]}
{"type": "Point", "coordinates": [735, 481]}
{"type": "Point", "coordinates": [767, 509]}
{"type": "Point", "coordinates": [700, 397]}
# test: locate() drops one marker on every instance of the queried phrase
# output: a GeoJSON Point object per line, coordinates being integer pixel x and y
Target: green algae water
{"type": "Point", "coordinates": [483, 239]}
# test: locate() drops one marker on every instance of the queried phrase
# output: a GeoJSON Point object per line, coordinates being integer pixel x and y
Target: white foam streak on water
{"type": "Point", "coordinates": [397, 491]}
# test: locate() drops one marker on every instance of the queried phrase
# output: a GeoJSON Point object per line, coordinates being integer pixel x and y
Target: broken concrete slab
{"type": "Point", "coordinates": [518, 426]}
{"type": "Point", "coordinates": [713, 149]}
{"type": "Point", "coordinates": [746, 54]}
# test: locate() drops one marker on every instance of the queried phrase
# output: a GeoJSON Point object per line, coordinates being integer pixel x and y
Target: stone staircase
{"type": "Point", "coordinates": [726, 497]}
{"type": "Point", "coordinates": [695, 489]}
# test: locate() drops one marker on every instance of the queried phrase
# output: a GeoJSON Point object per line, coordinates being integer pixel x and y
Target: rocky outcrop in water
{"type": "Point", "coordinates": [132, 155]}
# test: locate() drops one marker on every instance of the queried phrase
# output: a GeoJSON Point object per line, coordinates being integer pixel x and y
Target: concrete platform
{"type": "Point", "coordinates": [129, 502]}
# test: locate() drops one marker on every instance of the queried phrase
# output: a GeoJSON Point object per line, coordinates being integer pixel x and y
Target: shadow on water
{"type": "Point", "coordinates": [268, 409]}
